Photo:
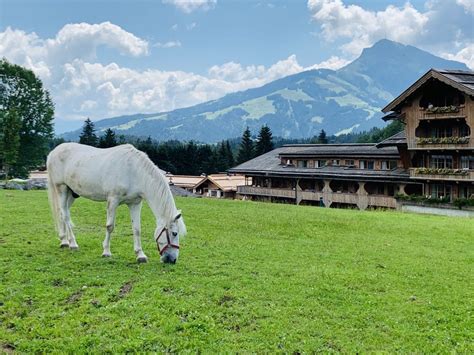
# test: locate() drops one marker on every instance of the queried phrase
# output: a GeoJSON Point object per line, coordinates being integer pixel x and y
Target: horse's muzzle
{"type": "Point", "coordinates": [168, 259]}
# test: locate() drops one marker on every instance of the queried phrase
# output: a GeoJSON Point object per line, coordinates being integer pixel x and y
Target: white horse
{"type": "Point", "coordinates": [119, 175]}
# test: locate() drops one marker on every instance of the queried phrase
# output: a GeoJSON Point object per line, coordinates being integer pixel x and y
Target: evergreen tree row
{"type": "Point", "coordinates": [194, 159]}
{"type": "Point", "coordinates": [175, 157]}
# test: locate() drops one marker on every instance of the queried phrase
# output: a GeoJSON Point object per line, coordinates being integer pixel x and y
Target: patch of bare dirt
{"type": "Point", "coordinates": [125, 289]}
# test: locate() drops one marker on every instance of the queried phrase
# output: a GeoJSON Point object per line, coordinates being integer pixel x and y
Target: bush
{"type": "Point", "coordinates": [463, 202]}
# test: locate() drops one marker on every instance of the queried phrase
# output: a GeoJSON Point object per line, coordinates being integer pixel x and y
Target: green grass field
{"type": "Point", "coordinates": [252, 277]}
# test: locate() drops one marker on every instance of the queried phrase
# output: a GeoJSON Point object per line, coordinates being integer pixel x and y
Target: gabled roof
{"type": "Point", "coordinates": [186, 181]}
{"type": "Point", "coordinates": [224, 182]}
{"type": "Point", "coordinates": [458, 79]}
{"type": "Point", "coordinates": [396, 140]}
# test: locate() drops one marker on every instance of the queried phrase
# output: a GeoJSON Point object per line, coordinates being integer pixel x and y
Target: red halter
{"type": "Point", "coordinates": [168, 241]}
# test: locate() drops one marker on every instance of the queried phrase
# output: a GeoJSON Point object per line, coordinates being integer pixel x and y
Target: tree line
{"type": "Point", "coordinates": [187, 158]}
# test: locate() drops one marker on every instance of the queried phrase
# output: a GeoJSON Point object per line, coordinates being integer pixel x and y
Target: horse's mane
{"type": "Point", "coordinates": [155, 183]}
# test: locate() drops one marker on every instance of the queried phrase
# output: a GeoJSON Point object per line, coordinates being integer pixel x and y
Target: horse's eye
{"type": "Point", "coordinates": [175, 234]}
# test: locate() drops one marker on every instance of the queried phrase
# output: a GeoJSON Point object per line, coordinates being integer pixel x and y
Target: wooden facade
{"type": "Point", "coordinates": [438, 113]}
{"type": "Point", "coordinates": [432, 157]}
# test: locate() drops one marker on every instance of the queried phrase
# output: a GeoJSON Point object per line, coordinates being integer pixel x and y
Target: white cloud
{"type": "Point", "coordinates": [73, 41]}
{"type": "Point", "coordinates": [364, 27]}
{"type": "Point", "coordinates": [254, 75]}
{"type": "Point", "coordinates": [465, 55]}
{"type": "Point", "coordinates": [467, 4]}
{"type": "Point", "coordinates": [169, 44]}
{"type": "Point", "coordinates": [81, 87]}
{"type": "Point", "coordinates": [333, 63]}
{"type": "Point", "coordinates": [189, 6]}
{"type": "Point", "coordinates": [175, 27]}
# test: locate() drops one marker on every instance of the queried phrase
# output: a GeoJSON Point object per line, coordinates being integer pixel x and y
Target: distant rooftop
{"type": "Point", "coordinates": [395, 140]}
{"type": "Point", "coordinates": [270, 163]}
{"type": "Point", "coordinates": [338, 150]}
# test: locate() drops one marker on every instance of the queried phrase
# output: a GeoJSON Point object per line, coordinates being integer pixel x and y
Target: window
{"type": "Point", "coordinates": [350, 162]}
{"type": "Point", "coordinates": [335, 162]}
{"type": "Point", "coordinates": [467, 192]}
{"type": "Point", "coordinates": [366, 164]}
{"type": "Point", "coordinates": [442, 132]}
{"type": "Point", "coordinates": [440, 191]}
{"type": "Point", "coordinates": [441, 162]}
{"type": "Point", "coordinates": [389, 164]}
{"type": "Point", "coordinates": [321, 163]}
{"type": "Point", "coordinates": [467, 162]}
{"type": "Point", "coordinates": [302, 163]}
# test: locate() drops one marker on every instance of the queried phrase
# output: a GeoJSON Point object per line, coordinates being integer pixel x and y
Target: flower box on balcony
{"type": "Point", "coordinates": [443, 140]}
{"type": "Point", "coordinates": [435, 171]}
{"type": "Point", "coordinates": [443, 109]}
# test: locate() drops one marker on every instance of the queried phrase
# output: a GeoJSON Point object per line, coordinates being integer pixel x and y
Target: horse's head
{"type": "Point", "coordinates": [167, 238]}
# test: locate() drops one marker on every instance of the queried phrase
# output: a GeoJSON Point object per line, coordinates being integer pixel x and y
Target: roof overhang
{"type": "Point", "coordinates": [432, 73]}
{"type": "Point", "coordinates": [313, 175]}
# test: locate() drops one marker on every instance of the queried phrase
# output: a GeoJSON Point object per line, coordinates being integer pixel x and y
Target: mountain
{"type": "Point", "coordinates": [296, 106]}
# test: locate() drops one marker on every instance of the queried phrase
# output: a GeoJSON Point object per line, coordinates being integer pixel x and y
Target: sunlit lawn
{"type": "Point", "coordinates": [252, 277]}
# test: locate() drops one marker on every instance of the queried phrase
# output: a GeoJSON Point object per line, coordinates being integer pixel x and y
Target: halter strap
{"type": "Point", "coordinates": [168, 241]}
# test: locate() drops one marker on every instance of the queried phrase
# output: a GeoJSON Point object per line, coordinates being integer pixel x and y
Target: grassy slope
{"type": "Point", "coordinates": [251, 277]}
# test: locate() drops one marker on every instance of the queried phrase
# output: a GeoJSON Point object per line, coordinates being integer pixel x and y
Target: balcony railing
{"type": "Point", "coordinates": [333, 197]}
{"type": "Point", "coordinates": [442, 113]}
{"type": "Point", "coordinates": [266, 191]}
{"type": "Point", "coordinates": [442, 174]}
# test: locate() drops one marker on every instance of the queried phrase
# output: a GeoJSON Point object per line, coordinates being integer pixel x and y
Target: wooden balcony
{"type": "Point", "coordinates": [328, 197]}
{"type": "Point", "coordinates": [266, 191]}
{"type": "Point", "coordinates": [425, 114]}
{"type": "Point", "coordinates": [417, 173]}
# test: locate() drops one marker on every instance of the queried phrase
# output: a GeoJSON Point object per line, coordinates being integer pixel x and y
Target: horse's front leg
{"type": "Point", "coordinates": [135, 213]}
{"type": "Point", "coordinates": [112, 204]}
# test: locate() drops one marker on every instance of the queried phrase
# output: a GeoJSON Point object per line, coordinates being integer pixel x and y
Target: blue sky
{"type": "Point", "coordinates": [104, 58]}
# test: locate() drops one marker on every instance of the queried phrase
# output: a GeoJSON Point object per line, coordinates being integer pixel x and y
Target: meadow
{"type": "Point", "coordinates": [252, 277]}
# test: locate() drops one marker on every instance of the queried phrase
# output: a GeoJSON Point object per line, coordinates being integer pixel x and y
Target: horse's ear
{"type": "Point", "coordinates": [178, 216]}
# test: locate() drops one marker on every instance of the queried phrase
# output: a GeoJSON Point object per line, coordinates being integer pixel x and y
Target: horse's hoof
{"type": "Point", "coordinates": [64, 246]}
{"type": "Point", "coordinates": [74, 247]}
{"type": "Point", "coordinates": [142, 260]}
{"type": "Point", "coordinates": [106, 255]}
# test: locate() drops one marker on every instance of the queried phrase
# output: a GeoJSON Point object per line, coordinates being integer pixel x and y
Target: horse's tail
{"type": "Point", "coordinates": [53, 195]}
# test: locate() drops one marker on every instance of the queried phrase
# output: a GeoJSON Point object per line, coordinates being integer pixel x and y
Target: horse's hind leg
{"type": "Point", "coordinates": [66, 200]}
{"type": "Point", "coordinates": [112, 205]}
{"type": "Point", "coordinates": [63, 235]}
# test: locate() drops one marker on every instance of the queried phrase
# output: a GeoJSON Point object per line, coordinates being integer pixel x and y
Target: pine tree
{"type": "Point", "coordinates": [222, 157]}
{"type": "Point", "coordinates": [10, 140]}
{"type": "Point", "coordinates": [108, 140]}
{"type": "Point", "coordinates": [230, 155]}
{"type": "Point", "coordinates": [88, 135]}
{"type": "Point", "coordinates": [264, 141]}
{"type": "Point", "coordinates": [322, 138]}
{"type": "Point", "coordinates": [246, 149]}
